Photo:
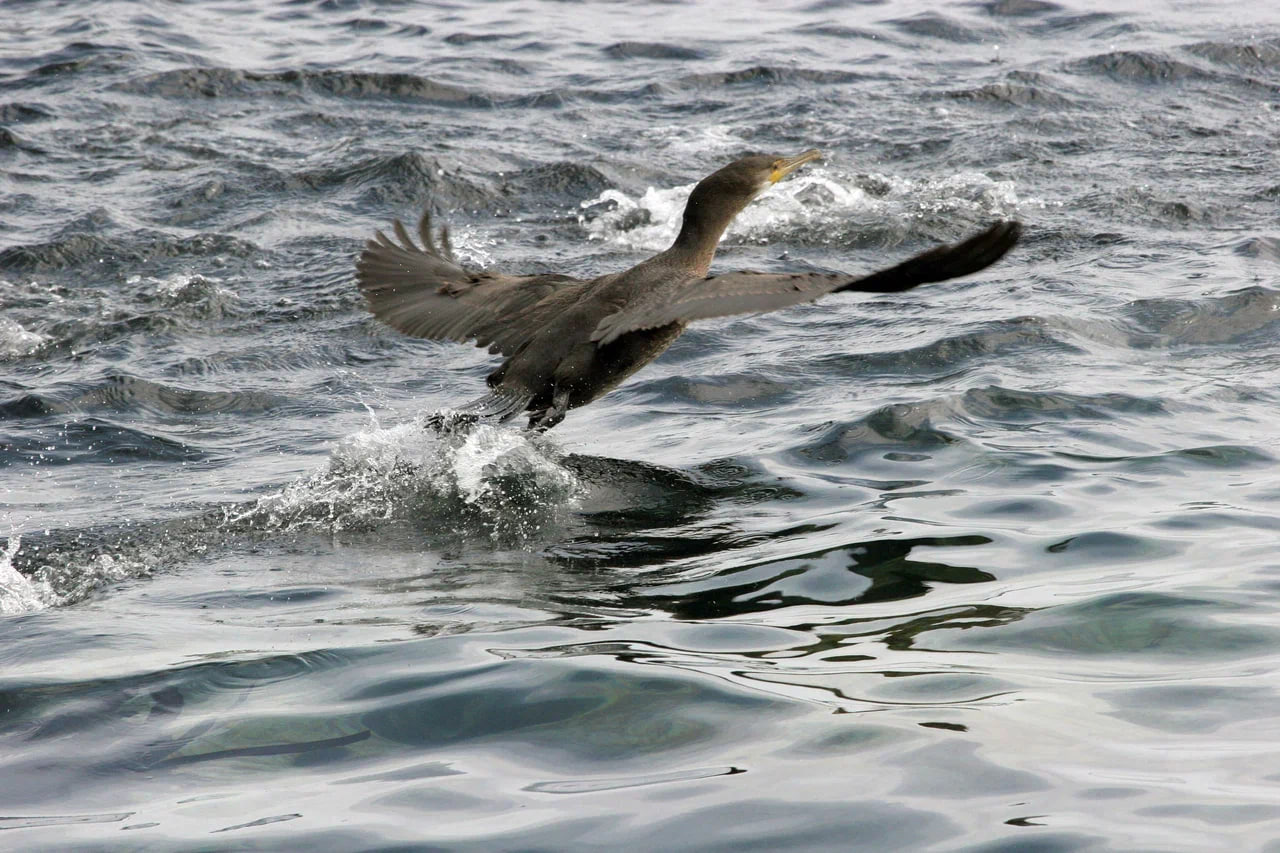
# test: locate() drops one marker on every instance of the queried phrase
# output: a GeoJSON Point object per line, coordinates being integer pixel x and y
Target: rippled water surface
{"type": "Point", "coordinates": [989, 565]}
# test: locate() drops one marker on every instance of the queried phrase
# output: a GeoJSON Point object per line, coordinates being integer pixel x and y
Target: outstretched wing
{"type": "Point", "coordinates": [424, 292]}
{"type": "Point", "coordinates": [753, 292]}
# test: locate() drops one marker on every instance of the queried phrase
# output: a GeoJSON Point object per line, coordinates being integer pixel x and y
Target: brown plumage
{"type": "Point", "coordinates": [568, 341]}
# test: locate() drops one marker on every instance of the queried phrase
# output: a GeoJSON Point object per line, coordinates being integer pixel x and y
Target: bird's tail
{"type": "Point", "coordinates": [494, 407]}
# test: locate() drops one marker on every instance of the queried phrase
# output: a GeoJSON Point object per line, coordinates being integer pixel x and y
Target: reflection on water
{"type": "Point", "coordinates": [865, 572]}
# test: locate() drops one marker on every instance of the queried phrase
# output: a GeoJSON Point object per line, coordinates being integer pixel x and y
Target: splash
{"type": "Point", "coordinates": [502, 477]}
{"type": "Point", "coordinates": [471, 248]}
{"type": "Point", "coordinates": [648, 222]}
{"type": "Point", "coordinates": [15, 341]}
{"type": "Point", "coordinates": [18, 593]}
{"type": "Point", "coordinates": [817, 206]}
{"type": "Point", "coordinates": [500, 484]}
{"type": "Point", "coordinates": [197, 295]}
{"type": "Point", "coordinates": [489, 455]}
{"type": "Point", "coordinates": [966, 192]}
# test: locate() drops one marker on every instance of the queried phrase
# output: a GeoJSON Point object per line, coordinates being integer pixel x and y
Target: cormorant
{"type": "Point", "coordinates": [569, 341]}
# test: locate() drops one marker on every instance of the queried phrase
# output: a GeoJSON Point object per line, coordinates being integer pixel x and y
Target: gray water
{"type": "Point", "coordinates": [989, 565]}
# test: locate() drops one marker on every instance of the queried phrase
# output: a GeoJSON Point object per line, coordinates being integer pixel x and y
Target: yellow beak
{"type": "Point", "coordinates": [782, 168]}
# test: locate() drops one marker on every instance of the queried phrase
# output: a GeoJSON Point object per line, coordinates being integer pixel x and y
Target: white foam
{"type": "Point", "coordinates": [380, 474]}
{"type": "Point", "coordinates": [680, 141]}
{"type": "Point", "coordinates": [648, 222]}
{"type": "Point", "coordinates": [488, 452]}
{"type": "Point", "coordinates": [15, 341]}
{"type": "Point", "coordinates": [806, 201]}
{"type": "Point", "coordinates": [207, 295]}
{"type": "Point", "coordinates": [971, 192]}
{"type": "Point", "coordinates": [820, 204]}
{"type": "Point", "coordinates": [18, 593]}
{"type": "Point", "coordinates": [471, 248]}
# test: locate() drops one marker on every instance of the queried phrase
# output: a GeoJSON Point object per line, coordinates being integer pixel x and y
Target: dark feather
{"type": "Point", "coordinates": [748, 292]}
{"type": "Point", "coordinates": [422, 291]}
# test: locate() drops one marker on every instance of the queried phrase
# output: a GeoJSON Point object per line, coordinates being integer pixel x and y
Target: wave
{"type": "Point", "coordinates": [1227, 318]}
{"type": "Point", "coordinates": [1020, 8]}
{"type": "Point", "coordinates": [914, 427]}
{"type": "Point", "coordinates": [1159, 68]}
{"type": "Point", "coordinates": [1064, 22]}
{"type": "Point", "coordinates": [462, 38]}
{"type": "Point", "coordinates": [384, 182]}
{"type": "Point", "coordinates": [402, 179]}
{"type": "Point", "coordinates": [77, 250]}
{"type": "Point", "coordinates": [1254, 55]}
{"type": "Point", "coordinates": [300, 84]}
{"type": "Point", "coordinates": [1263, 248]}
{"type": "Point", "coordinates": [92, 440]}
{"type": "Point", "coordinates": [131, 395]}
{"type": "Point", "coordinates": [1220, 456]}
{"type": "Point", "coordinates": [562, 183]}
{"type": "Point", "coordinates": [1146, 204]}
{"type": "Point", "coordinates": [763, 75]}
{"type": "Point", "coordinates": [1151, 623]}
{"type": "Point", "coordinates": [19, 593]}
{"type": "Point", "coordinates": [839, 31]}
{"type": "Point", "coordinates": [1137, 66]}
{"type": "Point", "coordinates": [1020, 89]}
{"type": "Point", "coordinates": [78, 57]}
{"type": "Point", "coordinates": [994, 404]}
{"type": "Point", "coordinates": [11, 140]}
{"type": "Point", "coordinates": [738, 390]}
{"type": "Point", "coordinates": [16, 113]}
{"type": "Point", "coordinates": [498, 487]}
{"type": "Point", "coordinates": [652, 50]}
{"type": "Point", "coordinates": [935, 26]}
{"type": "Point", "coordinates": [906, 427]}
{"type": "Point", "coordinates": [994, 340]}
{"type": "Point", "coordinates": [220, 82]}
{"type": "Point", "coordinates": [51, 320]}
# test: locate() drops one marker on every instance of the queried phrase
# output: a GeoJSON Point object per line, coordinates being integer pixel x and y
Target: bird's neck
{"type": "Point", "coordinates": [705, 221]}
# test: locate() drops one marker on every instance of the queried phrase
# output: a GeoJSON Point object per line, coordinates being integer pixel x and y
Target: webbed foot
{"type": "Point", "coordinates": [545, 419]}
{"type": "Point", "coordinates": [448, 422]}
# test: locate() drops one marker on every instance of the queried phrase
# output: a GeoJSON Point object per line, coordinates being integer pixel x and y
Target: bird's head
{"type": "Point", "coordinates": [721, 195]}
{"type": "Point", "coordinates": [744, 179]}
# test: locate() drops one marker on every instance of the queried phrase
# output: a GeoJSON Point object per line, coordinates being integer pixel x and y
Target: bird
{"type": "Point", "coordinates": [568, 341]}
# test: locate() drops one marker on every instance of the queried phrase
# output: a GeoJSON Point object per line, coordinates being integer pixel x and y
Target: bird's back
{"type": "Point", "coordinates": [565, 352]}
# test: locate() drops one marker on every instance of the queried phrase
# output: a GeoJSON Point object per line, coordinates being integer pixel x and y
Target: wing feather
{"type": "Point", "coordinates": [748, 292]}
{"type": "Point", "coordinates": [422, 291]}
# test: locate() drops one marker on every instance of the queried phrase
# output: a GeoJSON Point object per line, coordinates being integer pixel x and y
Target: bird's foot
{"type": "Point", "coordinates": [447, 422]}
{"type": "Point", "coordinates": [544, 419]}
